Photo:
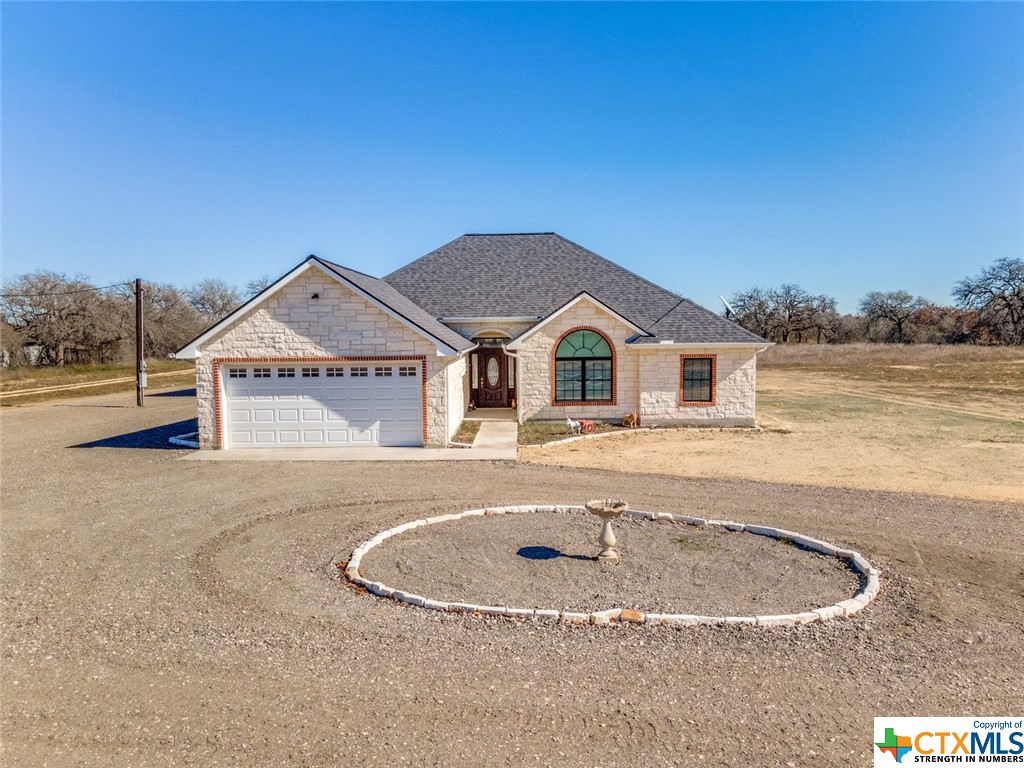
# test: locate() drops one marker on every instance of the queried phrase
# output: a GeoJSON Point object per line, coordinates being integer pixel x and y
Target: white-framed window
{"type": "Point", "coordinates": [407, 370]}
{"type": "Point", "coordinates": [382, 370]}
{"type": "Point", "coordinates": [237, 373]}
{"type": "Point", "coordinates": [310, 373]}
{"type": "Point", "coordinates": [335, 372]}
{"type": "Point", "coordinates": [261, 373]}
{"type": "Point", "coordinates": [359, 371]}
{"type": "Point", "coordinates": [286, 373]}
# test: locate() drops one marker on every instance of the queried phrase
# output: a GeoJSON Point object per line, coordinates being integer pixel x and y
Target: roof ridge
{"type": "Point", "coordinates": [505, 234]}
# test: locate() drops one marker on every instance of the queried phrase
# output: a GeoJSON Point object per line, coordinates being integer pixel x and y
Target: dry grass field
{"type": "Point", "coordinates": [24, 385]}
{"type": "Point", "coordinates": [926, 419]}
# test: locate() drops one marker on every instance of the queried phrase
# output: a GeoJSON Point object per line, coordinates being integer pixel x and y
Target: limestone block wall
{"type": "Point", "coordinates": [735, 388]}
{"type": "Point", "coordinates": [458, 393]}
{"type": "Point", "coordinates": [340, 323]}
{"type": "Point", "coordinates": [536, 367]}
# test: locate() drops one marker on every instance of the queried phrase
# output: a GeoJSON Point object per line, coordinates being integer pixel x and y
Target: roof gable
{"type": "Point", "coordinates": [516, 342]}
{"type": "Point", "coordinates": [379, 294]}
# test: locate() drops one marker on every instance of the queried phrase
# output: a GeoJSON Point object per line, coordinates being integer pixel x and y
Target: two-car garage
{"type": "Point", "coordinates": [312, 403]}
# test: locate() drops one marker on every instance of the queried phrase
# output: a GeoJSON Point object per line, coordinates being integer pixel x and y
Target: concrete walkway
{"type": "Point", "coordinates": [496, 436]}
{"type": "Point", "coordinates": [496, 441]}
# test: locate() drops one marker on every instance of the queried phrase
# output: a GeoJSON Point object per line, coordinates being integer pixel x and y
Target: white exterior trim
{"type": "Point", "coordinates": [191, 350]}
{"type": "Point", "coordinates": [516, 342]}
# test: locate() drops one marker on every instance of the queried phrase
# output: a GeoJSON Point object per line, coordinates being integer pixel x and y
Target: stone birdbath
{"type": "Point", "coordinates": [607, 510]}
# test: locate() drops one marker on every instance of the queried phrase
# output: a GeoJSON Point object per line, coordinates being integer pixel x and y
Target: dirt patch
{"type": "Point", "coordinates": [546, 560]}
{"type": "Point", "coordinates": [833, 430]}
{"type": "Point", "coordinates": [166, 612]}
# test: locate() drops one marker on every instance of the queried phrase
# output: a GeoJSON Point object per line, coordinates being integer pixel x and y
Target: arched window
{"type": "Point", "coordinates": [583, 368]}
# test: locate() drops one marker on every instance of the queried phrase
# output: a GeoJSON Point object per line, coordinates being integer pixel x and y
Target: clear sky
{"type": "Point", "coordinates": [710, 148]}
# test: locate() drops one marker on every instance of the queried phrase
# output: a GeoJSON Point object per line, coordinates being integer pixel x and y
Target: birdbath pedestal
{"type": "Point", "coordinates": [607, 510]}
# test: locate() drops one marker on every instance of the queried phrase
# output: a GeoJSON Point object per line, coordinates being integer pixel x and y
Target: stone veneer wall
{"type": "Point", "coordinates": [340, 323]}
{"type": "Point", "coordinates": [458, 393]}
{"type": "Point", "coordinates": [735, 390]}
{"type": "Point", "coordinates": [536, 367]}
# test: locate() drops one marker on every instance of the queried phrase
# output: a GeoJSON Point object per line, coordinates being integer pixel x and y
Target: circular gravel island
{"type": "Point", "coordinates": [539, 562]}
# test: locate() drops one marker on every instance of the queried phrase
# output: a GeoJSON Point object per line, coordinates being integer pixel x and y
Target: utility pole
{"type": "Point", "coordinates": [140, 361]}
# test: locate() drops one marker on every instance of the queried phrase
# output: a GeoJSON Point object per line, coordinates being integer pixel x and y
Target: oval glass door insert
{"type": "Point", "coordinates": [492, 372]}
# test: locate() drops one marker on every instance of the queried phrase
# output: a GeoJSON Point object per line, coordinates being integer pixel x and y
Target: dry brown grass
{"type": "Point", "coordinates": [66, 382]}
{"type": "Point", "coordinates": [467, 432]}
{"type": "Point", "coordinates": [847, 355]}
{"type": "Point", "coordinates": [940, 420]}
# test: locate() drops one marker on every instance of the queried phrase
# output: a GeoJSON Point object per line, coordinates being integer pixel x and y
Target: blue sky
{"type": "Point", "coordinates": [710, 148]}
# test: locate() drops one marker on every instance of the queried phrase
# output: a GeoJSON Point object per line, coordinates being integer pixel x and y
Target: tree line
{"type": "Point", "coordinates": [49, 318]}
{"type": "Point", "coordinates": [988, 308]}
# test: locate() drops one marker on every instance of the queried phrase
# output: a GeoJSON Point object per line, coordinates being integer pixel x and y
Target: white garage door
{"type": "Point", "coordinates": [341, 404]}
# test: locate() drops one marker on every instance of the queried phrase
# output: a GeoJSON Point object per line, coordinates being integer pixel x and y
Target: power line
{"type": "Point", "coordinates": [60, 293]}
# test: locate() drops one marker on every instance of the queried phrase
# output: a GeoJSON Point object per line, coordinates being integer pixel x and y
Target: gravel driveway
{"type": "Point", "coordinates": [163, 612]}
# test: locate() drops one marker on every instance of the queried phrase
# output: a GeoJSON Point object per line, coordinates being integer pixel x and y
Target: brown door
{"type": "Point", "coordinates": [493, 384]}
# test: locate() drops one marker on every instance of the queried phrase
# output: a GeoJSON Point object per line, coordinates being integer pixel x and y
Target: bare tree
{"type": "Point", "coordinates": [66, 318]}
{"type": "Point", "coordinates": [888, 315]}
{"type": "Point", "coordinates": [257, 284]}
{"type": "Point", "coordinates": [170, 319]}
{"type": "Point", "coordinates": [213, 299]}
{"type": "Point", "coordinates": [787, 313]}
{"type": "Point", "coordinates": [997, 293]}
{"type": "Point", "coordinates": [755, 311]}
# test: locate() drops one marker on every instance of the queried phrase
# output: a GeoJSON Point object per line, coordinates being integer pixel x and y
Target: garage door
{"type": "Point", "coordinates": [305, 405]}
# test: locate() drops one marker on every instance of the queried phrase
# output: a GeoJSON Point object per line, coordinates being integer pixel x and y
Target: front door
{"type": "Point", "coordinates": [492, 387]}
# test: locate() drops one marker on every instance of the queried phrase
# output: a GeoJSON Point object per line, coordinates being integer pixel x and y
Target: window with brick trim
{"type": "Point", "coordinates": [583, 368]}
{"type": "Point", "coordinates": [697, 382]}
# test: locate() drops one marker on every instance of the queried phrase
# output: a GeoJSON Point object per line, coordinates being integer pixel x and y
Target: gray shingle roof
{"type": "Point", "coordinates": [690, 323]}
{"type": "Point", "coordinates": [401, 305]}
{"type": "Point", "coordinates": [535, 274]}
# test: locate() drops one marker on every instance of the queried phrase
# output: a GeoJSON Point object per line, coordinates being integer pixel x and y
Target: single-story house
{"type": "Point", "coordinates": [327, 356]}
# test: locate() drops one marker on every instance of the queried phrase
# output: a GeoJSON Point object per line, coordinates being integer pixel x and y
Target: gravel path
{"type": "Point", "coordinates": [160, 612]}
{"type": "Point", "coordinates": [547, 561]}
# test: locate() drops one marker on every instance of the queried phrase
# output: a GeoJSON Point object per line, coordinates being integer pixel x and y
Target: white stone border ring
{"type": "Point", "coordinates": [848, 607]}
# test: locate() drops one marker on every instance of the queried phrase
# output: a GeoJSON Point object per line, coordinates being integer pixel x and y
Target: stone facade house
{"type": "Point", "coordinates": [327, 356]}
